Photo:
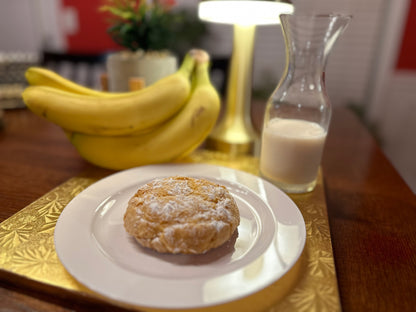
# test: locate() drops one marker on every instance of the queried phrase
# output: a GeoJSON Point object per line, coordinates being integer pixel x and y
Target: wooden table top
{"type": "Point", "coordinates": [372, 212]}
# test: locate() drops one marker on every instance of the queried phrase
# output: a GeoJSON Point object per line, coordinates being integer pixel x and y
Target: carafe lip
{"type": "Point", "coordinates": [318, 15]}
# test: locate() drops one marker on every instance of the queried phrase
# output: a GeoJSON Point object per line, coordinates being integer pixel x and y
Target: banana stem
{"type": "Point", "coordinates": [202, 74]}
{"type": "Point", "coordinates": [188, 65]}
{"type": "Point", "coordinates": [199, 55]}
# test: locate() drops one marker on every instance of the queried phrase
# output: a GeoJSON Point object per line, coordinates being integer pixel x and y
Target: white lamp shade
{"type": "Point", "coordinates": [243, 12]}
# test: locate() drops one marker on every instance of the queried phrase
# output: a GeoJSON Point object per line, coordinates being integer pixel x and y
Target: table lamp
{"type": "Point", "coordinates": [234, 134]}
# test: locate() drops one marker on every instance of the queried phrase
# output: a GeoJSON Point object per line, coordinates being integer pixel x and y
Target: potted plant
{"type": "Point", "coordinates": [153, 34]}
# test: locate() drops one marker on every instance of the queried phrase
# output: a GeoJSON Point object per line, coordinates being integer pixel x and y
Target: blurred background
{"type": "Point", "coordinates": [372, 68]}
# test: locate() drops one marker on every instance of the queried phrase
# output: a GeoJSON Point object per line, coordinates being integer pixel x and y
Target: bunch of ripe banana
{"type": "Point", "coordinates": [160, 123]}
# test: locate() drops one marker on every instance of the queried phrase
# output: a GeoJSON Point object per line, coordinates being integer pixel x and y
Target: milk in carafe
{"type": "Point", "coordinates": [291, 153]}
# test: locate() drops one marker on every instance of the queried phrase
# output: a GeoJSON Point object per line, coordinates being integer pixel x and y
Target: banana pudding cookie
{"type": "Point", "coordinates": [181, 215]}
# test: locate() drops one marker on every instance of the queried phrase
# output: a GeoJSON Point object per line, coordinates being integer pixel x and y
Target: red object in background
{"type": "Point", "coordinates": [91, 37]}
{"type": "Point", "coordinates": [407, 55]}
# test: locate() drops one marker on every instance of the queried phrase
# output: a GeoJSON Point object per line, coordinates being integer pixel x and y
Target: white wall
{"type": "Point", "coordinates": [18, 27]}
{"type": "Point", "coordinates": [33, 25]}
{"type": "Point", "coordinates": [349, 65]}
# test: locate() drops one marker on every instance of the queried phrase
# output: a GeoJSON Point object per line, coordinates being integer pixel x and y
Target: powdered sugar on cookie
{"type": "Point", "coordinates": [181, 215]}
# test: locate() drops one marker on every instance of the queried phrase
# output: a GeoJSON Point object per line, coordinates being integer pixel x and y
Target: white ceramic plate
{"type": "Point", "coordinates": [93, 246]}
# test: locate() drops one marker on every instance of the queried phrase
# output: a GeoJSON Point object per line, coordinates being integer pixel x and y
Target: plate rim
{"type": "Point", "coordinates": [194, 166]}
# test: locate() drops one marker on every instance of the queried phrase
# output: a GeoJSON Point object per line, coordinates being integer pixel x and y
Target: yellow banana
{"type": "Point", "coordinates": [133, 111]}
{"type": "Point", "coordinates": [175, 138]}
{"type": "Point", "coordinates": [38, 76]}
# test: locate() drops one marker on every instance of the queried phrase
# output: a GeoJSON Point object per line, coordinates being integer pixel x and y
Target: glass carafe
{"type": "Point", "coordinates": [298, 112]}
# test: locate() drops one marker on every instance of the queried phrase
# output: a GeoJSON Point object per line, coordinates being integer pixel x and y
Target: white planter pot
{"type": "Point", "coordinates": [150, 66]}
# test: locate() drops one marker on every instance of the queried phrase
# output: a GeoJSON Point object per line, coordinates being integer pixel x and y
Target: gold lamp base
{"type": "Point", "coordinates": [232, 148]}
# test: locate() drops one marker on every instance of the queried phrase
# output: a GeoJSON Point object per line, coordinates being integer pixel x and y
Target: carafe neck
{"type": "Point", "coordinates": [309, 40]}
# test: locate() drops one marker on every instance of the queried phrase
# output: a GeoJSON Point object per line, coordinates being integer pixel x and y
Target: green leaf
{"type": "Point", "coordinates": [123, 14]}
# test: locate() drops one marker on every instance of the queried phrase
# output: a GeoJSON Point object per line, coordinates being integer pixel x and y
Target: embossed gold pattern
{"type": "Point", "coordinates": [27, 244]}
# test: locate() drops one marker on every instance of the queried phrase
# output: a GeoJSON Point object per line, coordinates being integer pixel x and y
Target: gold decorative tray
{"type": "Point", "coordinates": [27, 247]}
